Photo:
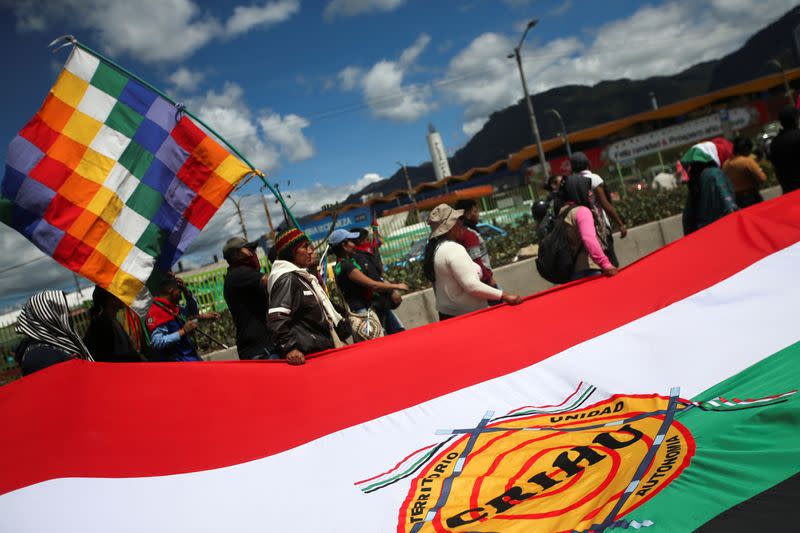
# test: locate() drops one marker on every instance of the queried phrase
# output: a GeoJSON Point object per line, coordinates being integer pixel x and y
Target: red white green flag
{"type": "Point", "coordinates": [660, 399]}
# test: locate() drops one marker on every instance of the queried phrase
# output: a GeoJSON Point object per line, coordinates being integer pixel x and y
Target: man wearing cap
{"type": "Point", "coordinates": [301, 318]}
{"type": "Point", "coordinates": [455, 277]}
{"type": "Point", "coordinates": [580, 165]}
{"type": "Point", "coordinates": [245, 293]}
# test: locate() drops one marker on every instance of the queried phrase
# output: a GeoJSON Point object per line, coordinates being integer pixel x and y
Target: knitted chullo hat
{"type": "Point", "coordinates": [287, 241]}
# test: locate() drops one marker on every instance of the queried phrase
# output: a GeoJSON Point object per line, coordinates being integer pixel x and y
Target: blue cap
{"type": "Point", "coordinates": [340, 235]}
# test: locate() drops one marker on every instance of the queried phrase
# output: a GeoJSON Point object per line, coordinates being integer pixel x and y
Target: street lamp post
{"type": "Point", "coordinates": [654, 104]}
{"type": "Point", "coordinates": [531, 115]}
{"type": "Point", "coordinates": [563, 130]}
{"type": "Point", "coordinates": [787, 88]}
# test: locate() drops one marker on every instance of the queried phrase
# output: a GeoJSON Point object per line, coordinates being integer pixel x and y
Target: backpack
{"type": "Point", "coordinates": [556, 260]}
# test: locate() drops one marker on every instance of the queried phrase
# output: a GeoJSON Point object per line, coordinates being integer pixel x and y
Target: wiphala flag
{"type": "Point", "coordinates": [112, 180]}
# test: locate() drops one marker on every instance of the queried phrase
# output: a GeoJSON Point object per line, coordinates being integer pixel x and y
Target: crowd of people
{"type": "Point", "coordinates": [288, 313]}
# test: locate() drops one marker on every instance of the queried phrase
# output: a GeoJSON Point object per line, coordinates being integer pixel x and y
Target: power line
{"type": "Point", "coordinates": [8, 269]}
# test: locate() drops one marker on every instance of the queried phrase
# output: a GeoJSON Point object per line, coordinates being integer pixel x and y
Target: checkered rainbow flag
{"type": "Point", "coordinates": [112, 180]}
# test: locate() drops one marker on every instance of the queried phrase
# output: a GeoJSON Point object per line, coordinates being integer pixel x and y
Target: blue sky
{"type": "Point", "coordinates": [329, 94]}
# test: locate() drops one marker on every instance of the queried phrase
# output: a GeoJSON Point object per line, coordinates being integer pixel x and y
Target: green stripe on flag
{"type": "Point", "coordinates": [739, 453]}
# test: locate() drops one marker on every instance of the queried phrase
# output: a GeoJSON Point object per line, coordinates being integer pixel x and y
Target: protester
{"type": "Point", "coordinates": [105, 338]}
{"type": "Point", "coordinates": [358, 289]}
{"type": "Point", "coordinates": [245, 293]}
{"type": "Point", "coordinates": [744, 173]}
{"type": "Point", "coordinates": [664, 181]}
{"type": "Point", "coordinates": [301, 318]}
{"type": "Point", "coordinates": [48, 335]}
{"type": "Point", "coordinates": [587, 231]}
{"type": "Point", "coordinates": [170, 324]}
{"type": "Point", "coordinates": [542, 210]}
{"type": "Point", "coordinates": [581, 165]}
{"type": "Point", "coordinates": [784, 151]}
{"type": "Point", "coordinates": [384, 302]}
{"type": "Point", "coordinates": [553, 183]}
{"type": "Point", "coordinates": [711, 193]}
{"type": "Point", "coordinates": [472, 240]}
{"type": "Point", "coordinates": [455, 277]}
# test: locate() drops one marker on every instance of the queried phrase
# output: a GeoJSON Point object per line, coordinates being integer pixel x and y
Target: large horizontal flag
{"type": "Point", "coordinates": [661, 399]}
{"type": "Point", "coordinates": [111, 179]}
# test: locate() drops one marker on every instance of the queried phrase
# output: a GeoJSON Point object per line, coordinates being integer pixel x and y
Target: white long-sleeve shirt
{"type": "Point", "coordinates": [458, 286]}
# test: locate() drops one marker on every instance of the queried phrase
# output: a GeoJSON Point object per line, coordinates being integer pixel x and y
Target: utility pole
{"type": "Point", "coordinates": [410, 189]}
{"type": "Point", "coordinates": [269, 217]}
{"type": "Point", "coordinates": [654, 104]}
{"type": "Point", "coordinates": [241, 217]}
{"type": "Point", "coordinates": [786, 87]}
{"type": "Point", "coordinates": [563, 130]}
{"type": "Point", "coordinates": [531, 115]}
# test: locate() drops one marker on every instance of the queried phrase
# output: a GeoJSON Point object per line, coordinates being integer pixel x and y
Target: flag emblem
{"type": "Point", "coordinates": [547, 469]}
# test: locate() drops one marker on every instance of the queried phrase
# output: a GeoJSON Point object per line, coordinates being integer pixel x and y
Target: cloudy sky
{"type": "Point", "coordinates": [326, 95]}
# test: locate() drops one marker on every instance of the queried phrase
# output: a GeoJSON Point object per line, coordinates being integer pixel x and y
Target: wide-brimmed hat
{"type": "Point", "coordinates": [442, 219]}
{"type": "Point", "coordinates": [236, 243]}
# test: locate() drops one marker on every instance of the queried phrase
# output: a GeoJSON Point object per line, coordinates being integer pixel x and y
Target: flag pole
{"type": "Point", "coordinates": [232, 148]}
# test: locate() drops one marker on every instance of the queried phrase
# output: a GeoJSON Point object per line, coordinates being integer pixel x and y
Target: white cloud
{"type": "Point", "coordinates": [264, 137]}
{"type": "Point", "coordinates": [350, 77]}
{"type": "Point", "coordinates": [652, 41]}
{"type": "Point", "coordinates": [410, 54]}
{"type": "Point", "coordinates": [245, 18]}
{"type": "Point", "coordinates": [385, 92]}
{"type": "Point", "coordinates": [287, 132]}
{"type": "Point", "coordinates": [561, 9]}
{"type": "Point", "coordinates": [228, 114]}
{"type": "Point", "coordinates": [149, 30]}
{"type": "Point", "coordinates": [185, 80]}
{"type": "Point", "coordinates": [349, 8]}
{"type": "Point", "coordinates": [38, 271]}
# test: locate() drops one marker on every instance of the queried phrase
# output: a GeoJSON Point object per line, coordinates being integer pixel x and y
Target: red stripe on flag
{"type": "Point", "coordinates": [116, 420]}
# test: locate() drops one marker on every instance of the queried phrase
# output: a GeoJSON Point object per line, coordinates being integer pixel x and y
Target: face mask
{"type": "Point", "coordinates": [252, 261]}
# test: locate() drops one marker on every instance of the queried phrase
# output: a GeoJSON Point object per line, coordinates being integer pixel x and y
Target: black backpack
{"type": "Point", "coordinates": [556, 260]}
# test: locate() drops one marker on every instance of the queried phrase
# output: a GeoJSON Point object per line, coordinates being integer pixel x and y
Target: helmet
{"type": "Point", "coordinates": [539, 210]}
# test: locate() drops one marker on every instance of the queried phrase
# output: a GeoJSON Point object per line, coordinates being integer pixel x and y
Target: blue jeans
{"type": "Point", "coordinates": [390, 322]}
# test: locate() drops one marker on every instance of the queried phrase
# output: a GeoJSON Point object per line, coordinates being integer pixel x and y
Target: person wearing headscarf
{"type": "Point", "coordinates": [105, 338]}
{"type": "Point", "coordinates": [587, 231]}
{"type": "Point", "coordinates": [456, 278]}
{"type": "Point", "coordinates": [49, 336]}
{"type": "Point", "coordinates": [301, 317]}
{"type": "Point", "coordinates": [711, 194]}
